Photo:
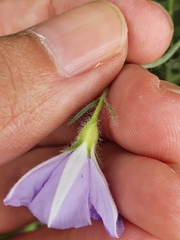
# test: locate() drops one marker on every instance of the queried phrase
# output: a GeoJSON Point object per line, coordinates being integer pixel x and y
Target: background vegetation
{"type": "Point", "coordinates": [170, 71]}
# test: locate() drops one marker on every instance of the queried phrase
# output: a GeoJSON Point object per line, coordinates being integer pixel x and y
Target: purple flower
{"type": "Point", "coordinates": [70, 189]}
{"type": "Point", "coordinates": [67, 191]}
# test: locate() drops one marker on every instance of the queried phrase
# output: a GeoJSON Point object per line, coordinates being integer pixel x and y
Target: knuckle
{"type": "Point", "coordinates": [23, 72]}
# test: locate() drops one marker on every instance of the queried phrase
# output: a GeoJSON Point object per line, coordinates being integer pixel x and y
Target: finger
{"type": "Point", "coordinates": [95, 232]}
{"type": "Point", "coordinates": [25, 13]}
{"type": "Point", "coordinates": [146, 191]}
{"type": "Point", "coordinates": [9, 175]}
{"type": "Point", "coordinates": [63, 135]}
{"type": "Point", "coordinates": [148, 114]}
{"type": "Point", "coordinates": [149, 33]}
{"type": "Point", "coordinates": [46, 76]}
{"type": "Point", "coordinates": [150, 28]}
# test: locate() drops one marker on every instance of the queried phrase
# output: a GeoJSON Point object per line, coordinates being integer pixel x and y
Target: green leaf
{"type": "Point", "coordinates": [84, 110]}
{"type": "Point", "coordinates": [111, 111]}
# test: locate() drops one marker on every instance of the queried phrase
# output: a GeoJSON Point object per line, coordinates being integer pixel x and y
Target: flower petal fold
{"type": "Point", "coordinates": [102, 201]}
{"type": "Point", "coordinates": [29, 186]}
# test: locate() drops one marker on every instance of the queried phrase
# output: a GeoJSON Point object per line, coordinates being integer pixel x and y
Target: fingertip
{"type": "Point", "coordinates": [132, 87]}
{"type": "Point", "coordinates": [150, 30]}
{"type": "Point", "coordinates": [148, 115]}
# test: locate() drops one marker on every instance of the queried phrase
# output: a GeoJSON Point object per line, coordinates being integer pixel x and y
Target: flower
{"type": "Point", "coordinates": [69, 189]}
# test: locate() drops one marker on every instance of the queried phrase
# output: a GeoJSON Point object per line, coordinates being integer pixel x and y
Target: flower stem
{"type": "Point", "coordinates": [89, 133]}
{"type": "Point", "coordinates": [99, 105]}
{"type": "Point", "coordinates": [170, 7]}
{"type": "Point", "coordinates": [165, 57]}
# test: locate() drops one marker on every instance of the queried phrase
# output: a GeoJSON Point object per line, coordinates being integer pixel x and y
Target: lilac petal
{"type": "Point", "coordinates": [40, 206]}
{"type": "Point", "coordinates": [66, 191]}
{"type": "Point", "coordinates": [74, 211]}
{"type": "Point", "coordinates": [102, 201]}
{"type": "Point", "coordinates": [27, 188]}
{"type": "Point", "coordinates": [63, 202]}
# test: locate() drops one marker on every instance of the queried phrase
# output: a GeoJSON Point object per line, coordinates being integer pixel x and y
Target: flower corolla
{"type": "Point", "coordinates": [67, 191]}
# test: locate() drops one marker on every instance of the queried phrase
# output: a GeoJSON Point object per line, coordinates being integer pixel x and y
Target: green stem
{"type": "Point", "coordinates": [170, 7]}
{"type": "Point", "coordinates": [99, 105]}
{"type": "Point", "coordinates": [89, 133]}
{"type": "Point", "coordinates": [165, 57]}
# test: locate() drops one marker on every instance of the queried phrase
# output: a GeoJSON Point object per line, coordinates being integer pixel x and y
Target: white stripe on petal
{"type": "Point", "coordinates": [69, 175]}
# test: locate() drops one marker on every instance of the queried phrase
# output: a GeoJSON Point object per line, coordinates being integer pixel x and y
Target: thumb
{"type": "Point", "coordinates": [52, 69]}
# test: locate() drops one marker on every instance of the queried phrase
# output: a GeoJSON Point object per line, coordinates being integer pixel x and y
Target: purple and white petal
{"type": "Point", "coordinates": [67, 191]}
{"type": "Point", "coordinates": [72, 170]}
{"type": "Point", "coordinates": [28, 187]}
{"type": "Point", "coordinates": [74, 211]}
{"type": "Point", "coordinates": [102, 201]}
{"type": "Point", "coordinates": [64, 197]}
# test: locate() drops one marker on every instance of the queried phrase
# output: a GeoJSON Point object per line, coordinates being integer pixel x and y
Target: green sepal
{"type": "Point", "coordinates": [98, 158]}
{"type": "Point", "coordinates": [73, 146]}
{"type": "Point", "coordinates": [109, 108]}
{"type": "Point", "coordinates": [84, 110]}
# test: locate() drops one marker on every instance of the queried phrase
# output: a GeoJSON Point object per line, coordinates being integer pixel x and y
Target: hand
{"type": "Point", "coordinates": [38, 96]}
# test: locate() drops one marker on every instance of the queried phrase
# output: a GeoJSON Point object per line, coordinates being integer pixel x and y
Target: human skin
{"type": "Point", "coordinates": [140, 153]}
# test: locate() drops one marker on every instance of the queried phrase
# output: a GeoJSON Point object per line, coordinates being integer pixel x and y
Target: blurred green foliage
{"type": "Point", "coordinates": [170, 71]}
{"type": "Point", "coordinates": [29, 228]}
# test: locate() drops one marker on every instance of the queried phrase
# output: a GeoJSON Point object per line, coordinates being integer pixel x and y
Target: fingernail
{"type": "Point", "coordinates": [84, 37]}
{"type": "Point", "coordinates": [171, 87]}
{"type": "Point", "coordinates": [174, 167]}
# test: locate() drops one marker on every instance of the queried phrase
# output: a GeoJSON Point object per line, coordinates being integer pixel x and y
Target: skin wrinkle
{"type": "Point", "coordinates": [23, 86]}
{"type": "Point", "coordinates": [29, 104]}
{"type": "Point", "coordinates": [10, 96]}
{"type": "Point", "coordinates": [42, 40]}
{"type": "Point", "coordinates": [13, 104]}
